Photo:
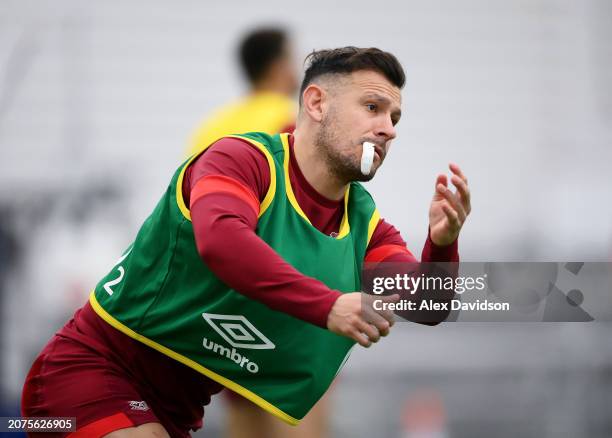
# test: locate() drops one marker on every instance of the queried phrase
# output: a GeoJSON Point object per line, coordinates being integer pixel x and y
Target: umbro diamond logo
{"type": "Point", "coordinates": [238, 331]}
{"type": "Point", "coordinates": [139, 405]}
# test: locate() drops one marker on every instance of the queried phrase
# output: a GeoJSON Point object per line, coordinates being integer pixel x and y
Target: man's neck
{"type": "Point", "coordinates": [315, 169]}
{"type": "Point", "coordinates": [270, 85]}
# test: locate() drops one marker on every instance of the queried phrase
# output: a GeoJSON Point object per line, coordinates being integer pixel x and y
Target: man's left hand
{"type": "Point", "coordinates": [449, 210]}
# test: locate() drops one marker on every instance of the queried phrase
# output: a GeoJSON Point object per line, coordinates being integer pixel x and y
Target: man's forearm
{"type": "Point", "coordinates": [226, 241]}
{"type": "Point", "coordinates": [398, 262]}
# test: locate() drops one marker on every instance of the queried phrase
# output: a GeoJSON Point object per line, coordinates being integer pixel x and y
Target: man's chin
{"type": "Point", "coordinates": [360, 177]}
{"type": "Point", "coordinates": [353, 173]}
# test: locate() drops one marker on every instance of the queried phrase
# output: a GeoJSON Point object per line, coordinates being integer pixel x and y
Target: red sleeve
{"type": "Point", "coordinates": [434, 253]}
{"type": "Point", "coordinates": [387, 245]}
{"type": "Point", "coordinates": [224, 225]}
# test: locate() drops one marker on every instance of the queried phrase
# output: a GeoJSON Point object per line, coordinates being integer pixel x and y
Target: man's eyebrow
{"type": "Point", "coordinates": [375, 96]}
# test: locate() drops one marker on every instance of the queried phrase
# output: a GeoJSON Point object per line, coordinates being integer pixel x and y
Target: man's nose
{"type": "Point", "coordinates": [386, 129]}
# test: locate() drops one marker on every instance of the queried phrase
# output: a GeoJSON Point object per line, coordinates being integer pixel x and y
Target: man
{"type": "Point", "coordinates": [283, 229]}
{"type": "Point", "coordinates": [266, 60]}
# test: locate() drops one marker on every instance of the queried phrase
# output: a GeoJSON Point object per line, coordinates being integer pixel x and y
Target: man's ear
{"type": "Point", "coordinates": [314, 102]}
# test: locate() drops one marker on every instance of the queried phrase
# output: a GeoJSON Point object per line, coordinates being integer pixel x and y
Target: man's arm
{"type": "Point", "coordinates": [387, 255]}
{"type": "Point", "coordinates": [225, 186]}
{"type": "Point", "coordinates": [387, 245]}
{"type": "Point", "coordinates": [447, 214]}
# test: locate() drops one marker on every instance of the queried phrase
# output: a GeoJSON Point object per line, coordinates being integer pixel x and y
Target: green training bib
{"type": "Point", "coordinates": [161, 293]}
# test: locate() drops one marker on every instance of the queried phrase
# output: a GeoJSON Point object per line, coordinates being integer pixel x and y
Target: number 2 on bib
{"type": "Point", "coordinates": [121, 270]}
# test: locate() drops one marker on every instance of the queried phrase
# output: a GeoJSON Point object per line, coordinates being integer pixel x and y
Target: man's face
{"type": "Point", "coordinates": [363, 106]}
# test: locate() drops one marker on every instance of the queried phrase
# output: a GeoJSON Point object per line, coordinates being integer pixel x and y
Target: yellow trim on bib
{"type": "Point", "coordinates": [345, 227]}
{"type": "Point", "coordinates": [372, 225]}
{"type": "Point", "coordinates": [269, 195]}
{"type": "Point", "coordinates": [192, 364]}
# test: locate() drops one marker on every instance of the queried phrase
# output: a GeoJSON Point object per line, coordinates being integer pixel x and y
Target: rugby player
{"type": "Point", "coordinates": [247, 273]}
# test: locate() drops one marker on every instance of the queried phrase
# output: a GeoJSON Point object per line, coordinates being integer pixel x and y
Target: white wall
{"type": "Point", "coordinates": [517, 92]}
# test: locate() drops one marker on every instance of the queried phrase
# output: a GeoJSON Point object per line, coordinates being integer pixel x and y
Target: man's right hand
{"type": "Point", "coordinates": [353, 316]}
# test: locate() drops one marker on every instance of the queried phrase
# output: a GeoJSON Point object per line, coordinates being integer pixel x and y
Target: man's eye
{"type": "Point", "coordinates": [371, 107]}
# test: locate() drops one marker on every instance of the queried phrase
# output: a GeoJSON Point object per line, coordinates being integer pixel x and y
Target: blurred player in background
{"type": "Point", "coordinates": [267, 62]}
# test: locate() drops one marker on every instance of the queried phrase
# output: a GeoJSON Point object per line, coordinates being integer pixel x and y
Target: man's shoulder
{"type": "Point", "coordinates": [238, 148]}
{"type": "Point", "coordinates": [273, 143]}
{"type": "Point", "coordinates": [241, 142]}
{"type": "Point", "coordinates": [233, 157]}
{"type": "Point", "coordinates": [258, 136]}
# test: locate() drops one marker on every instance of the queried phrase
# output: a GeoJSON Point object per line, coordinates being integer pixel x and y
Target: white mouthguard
{"type": "Point", "coordinates": [367, 157]}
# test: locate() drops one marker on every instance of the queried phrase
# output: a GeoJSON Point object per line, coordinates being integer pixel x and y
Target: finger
{"type": "Point", "coordinates": [457, 171]}
{"type": "Point", "coordinates": [369, 330]}
{"type": "Point", "coordinates": [372, 316]}
{"type": "Point", "coordinates": [380, 322]}
{"type": "Point", "coordinates": [384, 329]}
{"type": "Point", "coordinates": [464, 193]}
{"type": "Point", "coordinates": [360, 338]}
{"type": "Point", "coordinates": [383, 326]}
{"type": "Point", "coordinates": [388, 315]}
{"type": "Point", "coordinates": [451, 215]}
{"type": "Point", "coordinates": [441, 179]}
{"type": "Point", "coordinates": [391, 298]}
{"type": "Point", "coordinates": [455, 203]}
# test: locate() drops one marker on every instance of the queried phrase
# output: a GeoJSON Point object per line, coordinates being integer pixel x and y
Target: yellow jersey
{"type": "Point", "coordinates": [263, 112]}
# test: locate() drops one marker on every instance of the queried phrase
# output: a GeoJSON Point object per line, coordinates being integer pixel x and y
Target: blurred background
{"type": "Point", "coordinates": [98, 101]}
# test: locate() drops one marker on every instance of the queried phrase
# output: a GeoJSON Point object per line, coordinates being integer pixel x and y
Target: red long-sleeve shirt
{"type": "Point", "coordinates": [224, 187]}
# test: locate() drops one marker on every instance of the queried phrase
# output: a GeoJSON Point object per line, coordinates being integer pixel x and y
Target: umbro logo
{"type": "Point", "coordinates": [139, 405]}
{"type": "Point", "coordinates": [238, 331]}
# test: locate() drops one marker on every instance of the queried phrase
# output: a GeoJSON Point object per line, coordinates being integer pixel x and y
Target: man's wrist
{"type": "Point", "coordinates": [433, 252]}
{"type": "Point", "coordinates": [333, 297]}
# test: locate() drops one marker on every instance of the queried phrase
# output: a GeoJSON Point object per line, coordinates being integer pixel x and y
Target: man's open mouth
{"type": "Point", "coordinates": [379, 151]}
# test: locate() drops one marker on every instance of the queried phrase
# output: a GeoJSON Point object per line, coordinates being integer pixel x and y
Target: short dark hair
{"type": "Point", "coordinates": [346, 60]}
{"type": "Point", "coordinates": [259, 49]}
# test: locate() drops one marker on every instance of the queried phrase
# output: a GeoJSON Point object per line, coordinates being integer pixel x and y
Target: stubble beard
{"type": "Point", "coordinates": [342, 166]}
